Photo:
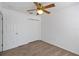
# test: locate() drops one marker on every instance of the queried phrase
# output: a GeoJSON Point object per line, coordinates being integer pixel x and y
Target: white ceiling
{"type": "Point", "coordinates": [23, 6]}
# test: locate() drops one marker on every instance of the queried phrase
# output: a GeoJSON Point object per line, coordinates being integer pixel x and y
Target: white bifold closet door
{"type": "Point", "coordinates": [20, 29]}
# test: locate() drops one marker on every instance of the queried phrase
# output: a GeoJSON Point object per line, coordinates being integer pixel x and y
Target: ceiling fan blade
{"type": "Point", "coordinates": [31, 10]}
{"type": "Point", "coordinates": [46, 11]}
{"type": "Point", "coordinates": [49, 6]}
{"type": "Point", "coordinates": [36, 3]}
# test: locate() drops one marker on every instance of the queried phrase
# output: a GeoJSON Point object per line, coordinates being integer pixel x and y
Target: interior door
{"type": "Point", "coordinates": [0, 32]}
{"type": "Point", "coordinates": [19, 29]}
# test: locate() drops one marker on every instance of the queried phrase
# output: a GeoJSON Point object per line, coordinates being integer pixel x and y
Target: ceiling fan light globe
{"type": "Point", "coordinates": [39, 11]}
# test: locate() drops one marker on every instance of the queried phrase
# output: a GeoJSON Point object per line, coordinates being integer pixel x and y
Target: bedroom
{"type": "Point", "coordinates": [22, 28]}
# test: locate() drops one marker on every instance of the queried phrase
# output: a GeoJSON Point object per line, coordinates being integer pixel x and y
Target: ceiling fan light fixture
{"type": "Point", "coordinates": [40, 11]}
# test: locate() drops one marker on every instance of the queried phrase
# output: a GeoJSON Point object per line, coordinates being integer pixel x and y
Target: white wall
{"type": "Point", "coordinates": [18, 29]}
{"type": "Point", "coordinates": [62, 29]}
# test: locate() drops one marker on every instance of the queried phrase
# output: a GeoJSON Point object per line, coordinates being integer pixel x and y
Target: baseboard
{"type": "Point", "coordinates": [53, 43]}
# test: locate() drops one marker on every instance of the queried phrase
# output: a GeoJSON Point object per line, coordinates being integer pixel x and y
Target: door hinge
{"type": "Point", "coordinates": [2, 45]}
{"type": "Point", "coordinates": [2, 18]}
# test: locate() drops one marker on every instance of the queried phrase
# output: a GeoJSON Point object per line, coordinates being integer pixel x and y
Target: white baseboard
{"type": "Point", "coordinates": [53, 43]}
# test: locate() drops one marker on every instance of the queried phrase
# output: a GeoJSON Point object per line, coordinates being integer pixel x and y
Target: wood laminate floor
{"type": "Point", "coordinates": [37, 48]}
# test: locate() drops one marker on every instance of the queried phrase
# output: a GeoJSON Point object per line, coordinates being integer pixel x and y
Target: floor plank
{"type": "Point", "coordinates": [37, 48]}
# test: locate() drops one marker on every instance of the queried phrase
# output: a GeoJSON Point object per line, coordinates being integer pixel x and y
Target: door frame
{"type": "Point", "coordinates": [2, 30]}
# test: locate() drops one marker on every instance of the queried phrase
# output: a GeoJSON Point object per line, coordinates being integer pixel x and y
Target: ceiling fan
{"type": "Point", "coordinates": [40, 9]}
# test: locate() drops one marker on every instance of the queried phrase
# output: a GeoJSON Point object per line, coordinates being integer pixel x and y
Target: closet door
{"type": "Point", "coordinates": [20, 29]}
{"type": "Point", "coordinates": [0, 33]}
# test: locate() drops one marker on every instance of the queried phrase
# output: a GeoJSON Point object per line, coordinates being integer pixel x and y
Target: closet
{"type": "Point", "coordinates": [18, 29]}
